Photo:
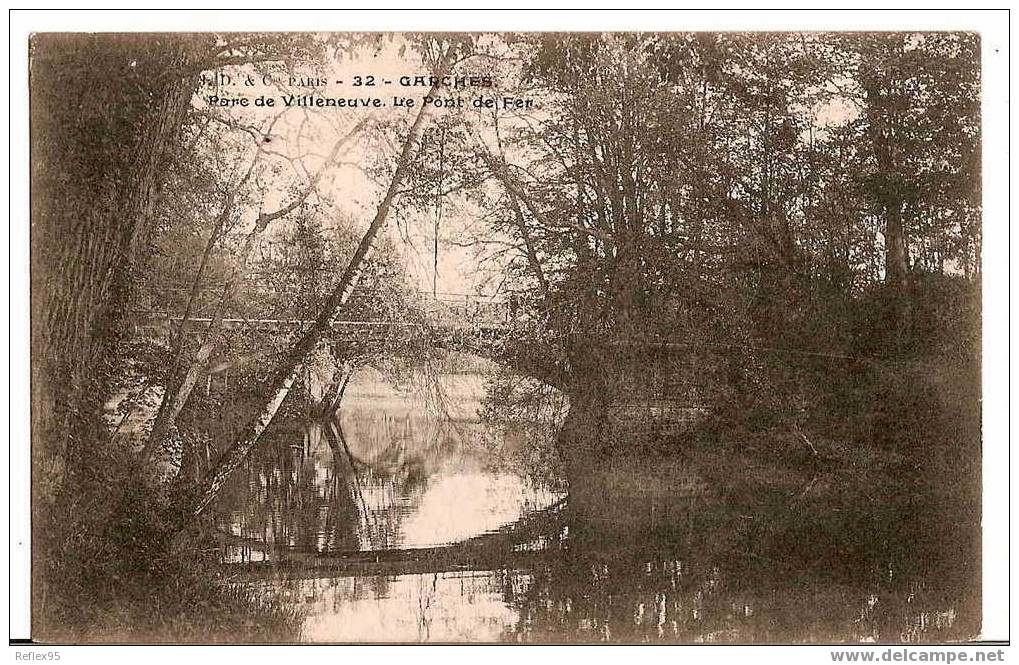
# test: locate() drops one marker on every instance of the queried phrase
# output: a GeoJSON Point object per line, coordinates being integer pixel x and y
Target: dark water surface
{"type": "Point", "coordinates": [393, 524]}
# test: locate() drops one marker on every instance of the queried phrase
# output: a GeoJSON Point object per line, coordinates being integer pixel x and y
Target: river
{"type": "Point", "coordinates": [404, 520]}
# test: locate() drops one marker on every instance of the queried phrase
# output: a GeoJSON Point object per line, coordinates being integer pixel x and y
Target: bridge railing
{"type": "Point", "coordinates": [447, 310]}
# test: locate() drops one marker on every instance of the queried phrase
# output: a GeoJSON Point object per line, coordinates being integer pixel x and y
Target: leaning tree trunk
{"type": "Point", "coordinates": [178, 393]}
{"type": "Point", "coordinates": [170, 405]}
{"type": "Point", "coordinates": [286, 373]}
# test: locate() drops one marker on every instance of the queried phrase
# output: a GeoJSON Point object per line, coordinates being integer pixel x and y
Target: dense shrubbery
{"type": "Point", "coordinates": [902, 402]}
{"type": "Point", "coordinates": [114, 566]}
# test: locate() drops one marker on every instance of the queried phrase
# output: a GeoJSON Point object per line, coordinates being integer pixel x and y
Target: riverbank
{"type": "Point", "coordinates": [113, 567]}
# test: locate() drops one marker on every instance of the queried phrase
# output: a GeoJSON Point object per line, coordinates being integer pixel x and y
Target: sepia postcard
{"type": "Point", "coordinates": [508, 336]}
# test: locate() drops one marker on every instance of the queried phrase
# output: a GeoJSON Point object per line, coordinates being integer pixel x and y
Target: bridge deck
{"type": "Point", "coordinates": [157, 323]}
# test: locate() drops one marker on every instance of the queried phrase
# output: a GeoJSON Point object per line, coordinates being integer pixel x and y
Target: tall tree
{"type": "Point", "coordinates": [107, 113]}
{"type": "Point", "coordinates": [921, 123]}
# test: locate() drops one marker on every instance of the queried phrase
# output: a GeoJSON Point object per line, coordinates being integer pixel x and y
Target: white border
{"type": "Point", "coordinates": [993, 27]}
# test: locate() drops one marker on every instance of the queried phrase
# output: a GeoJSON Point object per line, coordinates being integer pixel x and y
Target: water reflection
{"type": "Point", "coordinates": [387, 473]}
{"type": "Point", "coordinates": [391, 525]}
{"type": "Point", "coordinates": [707, 595]}
{"type": "Point", "coordinates": [436, 607]}
{"type": "Point", "coordinates": [572, 598]}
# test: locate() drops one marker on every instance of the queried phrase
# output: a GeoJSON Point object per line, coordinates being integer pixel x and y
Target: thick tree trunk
{"type": "Point", "coordinates": [884, 96]}
{"type": "Point", "coordinates": [285, 375]}
{"type": "Point", "coordinates": [896, 256]}
{"type": "Point", "coordinates": [106, 117]}
{"type": "Point", "coordinates": [96, 176]}
{"type": "Point", "coordinates": [581, 444]}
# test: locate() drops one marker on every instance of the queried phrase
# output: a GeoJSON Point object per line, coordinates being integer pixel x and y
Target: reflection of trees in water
{"type": "Point", "coordinates": [375, 496]}
{"type": "Point", "coordinates": [295, 495]}
{"type": "Point", "coordinates": [307, 489]}
{"type": "Point", "coordinates": [839, 571]}
{"type": "Point", "coordinates": [400, 443]}
{"type": "Point", "coordinates": [663, 600]}
{"type": "Point", "coordinates": [705, 582]}
{"type": "Point", "coordinates": [349, 483]}
{"type": "Point", "coordinates": [641, 567]}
